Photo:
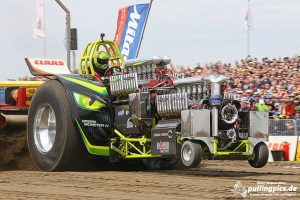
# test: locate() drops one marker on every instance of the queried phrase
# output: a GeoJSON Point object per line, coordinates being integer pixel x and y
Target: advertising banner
{"type": "Point", "coordinates": [278, 142]}
{"type": "Point", "coordinates": [131, 22]}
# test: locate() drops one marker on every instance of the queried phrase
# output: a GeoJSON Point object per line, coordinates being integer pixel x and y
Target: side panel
{"type": "Point", "coordinates": [94, 124]}
{"type": "Point", "coordinates": [164, 138]}
{"type": "Point", "coordinates": [259, 124]}
{"type": "Point", "coordinates": [195, 123]}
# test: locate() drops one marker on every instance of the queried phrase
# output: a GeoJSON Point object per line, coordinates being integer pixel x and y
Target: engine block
{"type": "Point", "coordinates": [123, 84]}
{"type": "Point", "coordinates": [171, 105]}
{"type": "Point", "coordinates": [195, 87]}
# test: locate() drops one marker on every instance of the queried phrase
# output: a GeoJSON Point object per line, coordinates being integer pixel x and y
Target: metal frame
{"type": "Point", "coordinates": [243, 143]}
{"type": "Point", "coordinates": [127, 144]}
{"type": "Point", "coordinates": [86, 65]}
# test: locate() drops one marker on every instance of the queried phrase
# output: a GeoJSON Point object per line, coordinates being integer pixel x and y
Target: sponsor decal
{"type": "Point", "coordinates": [215, 101]}
{"type": "Point", "coordinates": [167, 125]}
{"type": "Point", "coordinates": [163, 147]}
{"type": "Point", "coordinates": [168, 134]}
{"type": "Point", "coordinates": [93, 123]}
{"type": "Point", "coordinates": [265, 189]}
{"type": "Point", "coordinates": [49, 62]}
{"type": "Point", "coordinates": [48, 66]}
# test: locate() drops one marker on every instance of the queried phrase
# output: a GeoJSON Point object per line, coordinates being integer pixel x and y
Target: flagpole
{"type": "Point", "coordinates": [45, 53]}
{"type": "Point", "coordinates": [139, 46]}
{"type": "Point", "coordinates": [45, 49]}
{"type": "Point", "coordinates": [249, 25]}
{"type": "Point", "coordinates": [248, 42]}
{"type": "Point", "coordinates": [68, 31]}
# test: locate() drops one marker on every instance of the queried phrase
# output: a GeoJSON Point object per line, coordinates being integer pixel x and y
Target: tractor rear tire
{"type": "Point", "coordinates": [191, 154]}
{"type": "Point", "coordinates": [261, 155]}
{"type": "Point", "coordinates": [53, 142]}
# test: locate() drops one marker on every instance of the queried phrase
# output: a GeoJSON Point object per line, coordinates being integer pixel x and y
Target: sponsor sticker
{"type": "Point", "coordinates": [215, 101]}
{"type": "Point", "coordinates": [93, 123]}
{"type": "Point", "coordinates": [168, 134]}
{"type": "Point", "coordinates": [163, 147]}
{"type": "Point", "coordinates": [48, 66]}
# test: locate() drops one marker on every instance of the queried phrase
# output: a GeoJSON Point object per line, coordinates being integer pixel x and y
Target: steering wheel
{"type": "Point", "coordinates": [111, 71]}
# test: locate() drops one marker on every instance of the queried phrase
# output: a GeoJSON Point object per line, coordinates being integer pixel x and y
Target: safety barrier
{"type": "Point", "coordinates": [283, 127]}
{"type": "Point", "coordinates": [298, 126]}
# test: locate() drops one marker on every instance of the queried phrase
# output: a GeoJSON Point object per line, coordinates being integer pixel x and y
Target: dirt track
{"type": "Point", "coordinates": [212, 180]}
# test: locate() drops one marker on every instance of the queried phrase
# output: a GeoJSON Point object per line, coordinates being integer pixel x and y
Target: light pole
{"type": "Point", "coordinates": [68, 30]}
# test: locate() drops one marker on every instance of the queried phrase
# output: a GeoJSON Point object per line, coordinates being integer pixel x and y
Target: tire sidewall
{"type": "Point", "coordinates": [261, 153]}
{"type": "Point", "coordinates": [196, 155]}
{"type": "Point", "coordinates": [46, 95]}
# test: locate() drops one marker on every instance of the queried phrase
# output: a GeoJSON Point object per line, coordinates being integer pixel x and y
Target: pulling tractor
{"type": "Point", "coordinates": [138, 111]}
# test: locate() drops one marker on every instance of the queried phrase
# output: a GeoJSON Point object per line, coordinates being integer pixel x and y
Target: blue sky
{"type": "Point", "coordinates": [188, 31]}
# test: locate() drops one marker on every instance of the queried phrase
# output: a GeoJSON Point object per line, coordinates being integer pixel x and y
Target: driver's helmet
{"type": "Point", "coordinates": [100, 60]}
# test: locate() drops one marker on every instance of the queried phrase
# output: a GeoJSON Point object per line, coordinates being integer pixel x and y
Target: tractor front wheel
{"type": "Point", "coordinates": [52, 139]}
{"type": "Point", "coordinates": [191, 154]}
{"type": "Point", "coordinates": [260, 156]}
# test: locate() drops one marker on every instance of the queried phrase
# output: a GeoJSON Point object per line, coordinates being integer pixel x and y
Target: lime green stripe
{"type": "Point", "coordinates": [92, 149]}
{"type": "Point", "coordinates": [98, 89]}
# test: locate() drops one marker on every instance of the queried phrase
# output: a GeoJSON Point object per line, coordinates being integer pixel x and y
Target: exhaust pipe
{"type": "Point", "coordinates": [215, 118]}
{"type": "Point", "coordinates": [7, 121]}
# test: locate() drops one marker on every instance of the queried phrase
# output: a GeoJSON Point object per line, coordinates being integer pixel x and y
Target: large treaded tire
{"type": "Point", "coordinates": [261, 155]}
{"type": "Point", "coordinates": [67, 149]}
{"type": "Point", "coordinates": [191, 154]}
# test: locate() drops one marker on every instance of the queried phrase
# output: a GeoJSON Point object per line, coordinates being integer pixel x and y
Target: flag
{"type": "Point", "coordinates": [39, 28]}
{"type": "Point", "coordinates": [248, 17]}
{"type": "Point", "coordinates": [130, 25]}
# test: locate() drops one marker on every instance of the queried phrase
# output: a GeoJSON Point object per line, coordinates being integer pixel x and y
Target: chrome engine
{"type": "Point", "coordinates": [169, 96]}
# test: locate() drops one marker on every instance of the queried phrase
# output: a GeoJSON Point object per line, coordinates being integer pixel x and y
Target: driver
{"type": "Point", "coordinates": [100, 61]}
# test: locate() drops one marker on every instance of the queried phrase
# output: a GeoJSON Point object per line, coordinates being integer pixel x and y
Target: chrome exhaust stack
{"type": "Point", "coordinates": [215, 81]}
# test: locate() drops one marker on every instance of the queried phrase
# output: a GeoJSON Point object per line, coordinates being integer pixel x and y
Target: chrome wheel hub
{"type": "Point", "coordinates": [187, 153]}
{"type": "Point", "coordinates": [44, 131]}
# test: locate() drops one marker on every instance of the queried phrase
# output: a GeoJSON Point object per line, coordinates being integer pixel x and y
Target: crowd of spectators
{"type": "Point", "coordinates": [266, 85]}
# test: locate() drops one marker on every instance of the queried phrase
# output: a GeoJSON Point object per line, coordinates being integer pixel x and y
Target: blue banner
{"type": "Point", "coordinates": [131, 21]}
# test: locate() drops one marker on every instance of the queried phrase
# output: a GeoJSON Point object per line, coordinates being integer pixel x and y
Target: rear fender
{"type": "Point", "coordinates": [94, 123]}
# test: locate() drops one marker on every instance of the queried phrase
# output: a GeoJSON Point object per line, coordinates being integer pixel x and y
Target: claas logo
{"type": "Point", "coordinates": [49, 62]}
